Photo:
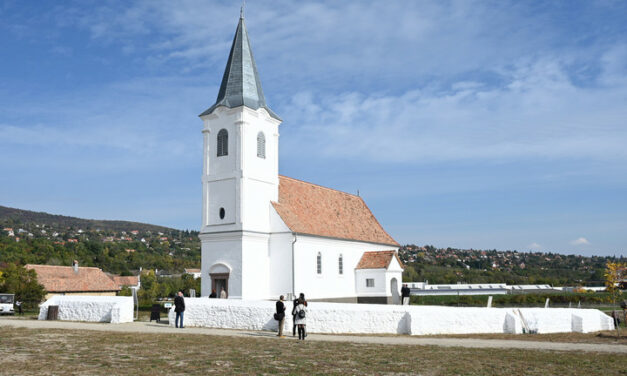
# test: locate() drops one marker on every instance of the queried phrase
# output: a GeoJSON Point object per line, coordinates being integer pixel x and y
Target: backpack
{"type": "Point", "coordinates": [301, 314]}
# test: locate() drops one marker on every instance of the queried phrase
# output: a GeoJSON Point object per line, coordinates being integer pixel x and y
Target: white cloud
{"type": "Point", "coordinates": [536, 112]}
{"type": "Point", "coordinates": [535, 246]}
{"type": "Point", "coordinates": [580, 241]}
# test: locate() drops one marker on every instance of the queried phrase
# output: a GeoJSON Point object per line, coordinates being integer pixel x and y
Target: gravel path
{"type": "Point", "coordinates": [151, 327]}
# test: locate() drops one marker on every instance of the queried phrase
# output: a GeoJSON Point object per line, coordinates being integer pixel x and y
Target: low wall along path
{"type": "Point", "coordinates": [113, 309]}
{"type": "Point", "coordinates": [392, 319]}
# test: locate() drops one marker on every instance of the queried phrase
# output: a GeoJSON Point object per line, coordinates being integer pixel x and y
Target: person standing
{"type": "Point", "coordinates": [295, 304]}
{"type": "Point", "coordinates": [405, 292]}
{"type": "Point", "coordinates": [223, 294]}
{"type": "Point", "coordinates": [19, 307]}
{"type": "Point", "coordinates": [301, 318]}
{"type": "Point", "coordinates": [179, 308]}
{"type": "Point", "coordinates": [213, 294]}
{"type": "Point", "coordinates": [280, 315]}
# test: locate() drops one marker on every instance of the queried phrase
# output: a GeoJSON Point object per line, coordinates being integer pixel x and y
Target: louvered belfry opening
{"type": "Point", "coordinates": [223, 143]}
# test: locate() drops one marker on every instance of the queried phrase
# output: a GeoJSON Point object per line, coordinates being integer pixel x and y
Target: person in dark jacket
{"type": "Point", "coordinates": [280, 315]}
{"type": "Point", "coordinates": [213, 294]}
{"type": "Point", "coordinates": [179, 308]}
{"type": "Point", "coordinates": [405, 294]}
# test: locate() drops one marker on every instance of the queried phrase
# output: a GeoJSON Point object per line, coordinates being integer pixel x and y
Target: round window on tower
{"type": "Point", "coordinates": [222, 212]}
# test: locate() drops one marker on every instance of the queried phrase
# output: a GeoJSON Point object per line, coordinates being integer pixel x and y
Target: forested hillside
{"type": "Point", "coordinates": [118, 247]}
{"type": "Point", "coordinates": [123, 247]}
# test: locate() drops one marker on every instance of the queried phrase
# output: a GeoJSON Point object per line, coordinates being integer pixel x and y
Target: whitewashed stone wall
{"type": "Point", "coordinates": [113, 309]}
{"type": "Point", "coordinates": [391, 319]}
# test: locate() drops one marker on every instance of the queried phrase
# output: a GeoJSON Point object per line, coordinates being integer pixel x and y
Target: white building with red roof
{"type": "Point", "coordinates": [265, 235]}
{"type": "Point", "coordinates": [74, 280]}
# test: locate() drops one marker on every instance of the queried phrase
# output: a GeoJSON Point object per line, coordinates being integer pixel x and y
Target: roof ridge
{"type": "Point", "coordinates": [65, 266]}
{"type": "Point", "coordinates": [322, 186]}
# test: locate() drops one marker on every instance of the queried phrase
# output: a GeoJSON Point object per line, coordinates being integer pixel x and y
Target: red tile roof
{"type": "Point", "coordinates": [315, 210]}
{"type": "Point", "coordinates": [64, 279]}
{"type": "Point", "coordinates": [378, 260]}
{"type": "Point", "coordinates": [122, 281]}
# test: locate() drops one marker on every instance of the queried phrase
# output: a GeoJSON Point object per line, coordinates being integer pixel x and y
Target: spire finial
{"type": "Point", "coordinates": [241, 10]}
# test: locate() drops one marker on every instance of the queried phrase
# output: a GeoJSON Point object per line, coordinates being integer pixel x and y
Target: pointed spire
{"type": "Point", "coordinates": [241, 85]}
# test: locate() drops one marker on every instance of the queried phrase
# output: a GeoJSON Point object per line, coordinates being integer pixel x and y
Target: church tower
{"type": "Point", "coordinates": [239, 179]}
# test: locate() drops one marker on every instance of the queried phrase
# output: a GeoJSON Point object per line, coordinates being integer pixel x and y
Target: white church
{"type": "Point", "coordinates": [265, 235]}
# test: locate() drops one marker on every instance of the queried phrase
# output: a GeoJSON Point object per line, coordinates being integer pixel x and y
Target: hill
{"type": "Point", "coordinates": [19, 216]}
{"type": "Point", "coordinates": [119, 247]}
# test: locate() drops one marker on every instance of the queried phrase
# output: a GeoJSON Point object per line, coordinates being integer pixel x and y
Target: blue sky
{"type": "Point", "coordinates": [483, 124]}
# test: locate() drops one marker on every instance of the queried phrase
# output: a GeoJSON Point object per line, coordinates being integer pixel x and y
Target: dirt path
{"type": "Point", "coordinates": [148, 327]}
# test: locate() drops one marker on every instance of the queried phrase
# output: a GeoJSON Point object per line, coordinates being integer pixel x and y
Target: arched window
{"type": "Point", "coordinates": [223, 143]}
{"type": "Point", "coordinates": [340, 264]}
{"type": "Point", "coordinates": [319, 263]}
{"type": "Point", "coordinates": [261, 145]}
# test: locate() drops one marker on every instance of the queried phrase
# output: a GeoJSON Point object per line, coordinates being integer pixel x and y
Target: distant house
{"type": "Point", "coordinates": [194, 272]}
{"type": "Point", "coordinates": [132, 281]}
{"type": "Point", "coordinates": [74, 280]}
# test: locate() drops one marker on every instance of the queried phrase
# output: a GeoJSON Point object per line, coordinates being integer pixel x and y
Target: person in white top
{"type": "Point", "coordinates": [300, 318]}
{"type": "Point", "coordinates": [223, 294]}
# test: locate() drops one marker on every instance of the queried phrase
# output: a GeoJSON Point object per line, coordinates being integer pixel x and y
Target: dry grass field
{"type": "Point", "coordinates": [606, 337]}
{"type": "Point", "coordinates": [72, 352]}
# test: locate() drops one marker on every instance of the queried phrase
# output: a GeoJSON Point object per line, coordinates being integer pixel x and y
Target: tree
{"type": "Point", "coordinates": [613, 278]}
{"type": "Point", "coordinates": [16, 279]}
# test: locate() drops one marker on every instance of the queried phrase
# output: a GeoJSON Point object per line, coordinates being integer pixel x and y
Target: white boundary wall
{"type": "Point", "coordinates": [113, 309]}
{"type": "Point", "coordinates": [391, 319]}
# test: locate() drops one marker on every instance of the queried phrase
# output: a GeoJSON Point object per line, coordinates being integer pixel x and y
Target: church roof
{"type": "Point", "coordinates": [241, 85]}
{"type": "Point", "coordinates": [378, 260]}
{"type": "Point", "coordinates": [65, 279]}
{"type": "Point", "coordinates": [315, 210]}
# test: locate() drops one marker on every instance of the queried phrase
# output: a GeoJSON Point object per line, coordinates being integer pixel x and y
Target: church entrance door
{"type": "Point", "coordinates": [220, 281]}
{"type": "Point", "coordinates": [395, 295]}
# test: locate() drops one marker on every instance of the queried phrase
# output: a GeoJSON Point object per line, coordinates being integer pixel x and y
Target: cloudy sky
{"type": "Point", "coordinates": [483, 124]}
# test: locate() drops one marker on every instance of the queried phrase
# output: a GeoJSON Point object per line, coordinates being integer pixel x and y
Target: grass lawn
{"type": "Point", "coordinates": [52, 351]}
{"type": "Point", "coordinates": [606, 337]}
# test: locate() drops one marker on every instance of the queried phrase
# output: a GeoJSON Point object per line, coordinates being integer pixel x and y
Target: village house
{"type": "Point", "coordinates": [264, 234]}
{"type": "Point", "coordinates": [74, 280]}
{"type": "Point", "coordinates": [194, 272]}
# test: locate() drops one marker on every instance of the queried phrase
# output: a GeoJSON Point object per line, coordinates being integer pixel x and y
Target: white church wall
{"type": "Point", "coordinates": [374, 318]}
{"type": "Point", "coordinates": [113, 309]}
{"type": "Point", "coordinates": [262, 169]}
{"type": "Point", "coordinates": [255, 204]}
{"type": "Point", "coordinates": [255, 266]}
{"type": "Point", "coordinates": [222, 249]}
{"type": "Point", "coordinates": [328, 284]}
{"type": "Point", "coordinates": [221, 196]}
{"type": "Point", "coordinates": [280, 279]}
{"type": "Point", "coordinates": [222, 118]}
{"type": "Point", "coordinates": [380, 282]}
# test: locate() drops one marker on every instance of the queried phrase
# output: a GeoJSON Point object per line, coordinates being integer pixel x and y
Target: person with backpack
{"type": "Point", "coordinates": [301, 296]}
{"type": "Point", "coordinates": [300, 318]}
{"type": "Point", "coordinates": [280, 315]}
